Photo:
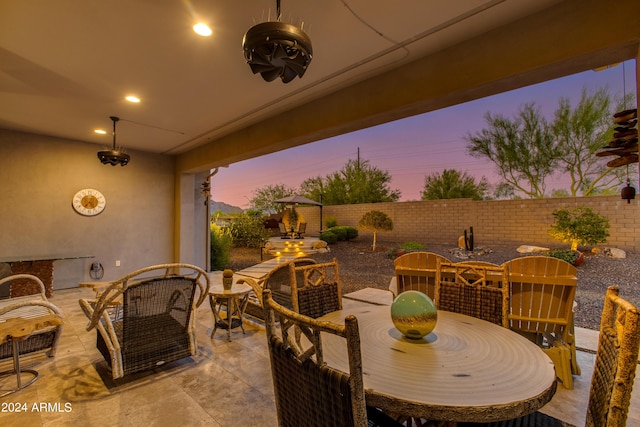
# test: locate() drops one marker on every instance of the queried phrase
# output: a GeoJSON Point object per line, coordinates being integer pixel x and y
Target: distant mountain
{"type": "Point", "coordinates": [224, 208]}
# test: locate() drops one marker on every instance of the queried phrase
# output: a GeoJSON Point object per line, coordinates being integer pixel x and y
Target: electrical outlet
{"type": "Point", "coordinates": [118, 263]}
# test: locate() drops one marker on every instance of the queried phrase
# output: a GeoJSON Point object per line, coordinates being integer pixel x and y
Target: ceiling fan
{"type": "Point", "coordinates": [277, 49]}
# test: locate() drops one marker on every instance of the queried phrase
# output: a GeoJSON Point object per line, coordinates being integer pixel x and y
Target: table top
{"type": "Point", "coordinates": [237, 289]}
{"type": "Point", "coordinates": [467, 369]}
{"type": "Point", "coordinates": [258, 271]}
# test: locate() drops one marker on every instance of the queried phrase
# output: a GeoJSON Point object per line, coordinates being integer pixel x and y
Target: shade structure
{"type": "Point", "coordinates": [296, 199]}
{"type": "Point", "coordinates": [299, 200]}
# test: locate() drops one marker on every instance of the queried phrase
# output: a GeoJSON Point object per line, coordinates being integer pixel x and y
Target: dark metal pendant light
{"type": "Point", "coordinates": [277, 49]}
{"type": "Point", "coordinates": [114, 157]}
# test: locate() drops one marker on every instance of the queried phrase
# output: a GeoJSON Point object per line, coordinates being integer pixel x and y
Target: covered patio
{"type": "Point", "coordinates": [226, 384]}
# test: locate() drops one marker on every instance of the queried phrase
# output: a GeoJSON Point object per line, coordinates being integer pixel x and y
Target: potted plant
{"type": "Point", "coordinates": [579, 226]}
{"type": "Point", "coordinates": [572, 257]}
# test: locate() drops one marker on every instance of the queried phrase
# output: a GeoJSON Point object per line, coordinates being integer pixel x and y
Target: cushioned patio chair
{"type": "Point", "coordinates": [30, 306]}
{"type": "Point", "coordinates": [284, 233]}
{"type": "Point", "coordinates": [613, 373]}
{"type": "Point", "coordinates": [299, 233]}
{"type": "Point", "coordinates": [157, 324]}
{"type": "Point", "coordinates": [30, 324]}
{"type": "Point", "coordinates": [308, 392]}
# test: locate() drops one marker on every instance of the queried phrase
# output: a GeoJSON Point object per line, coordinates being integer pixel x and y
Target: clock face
{"type": "Point", "coordinates": [88, 202]}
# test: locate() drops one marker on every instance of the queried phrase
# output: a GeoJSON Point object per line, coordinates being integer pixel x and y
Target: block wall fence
{"type": "Point", "coordinates": [494, 222]}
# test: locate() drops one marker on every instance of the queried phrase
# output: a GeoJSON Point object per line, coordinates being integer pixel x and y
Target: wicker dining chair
{"type": "Point", "coordinates": [470, 289]}
{"type": "Point", "coordinates": [279, 281]}
{"type": "Point", "coordinates": [157, 324]}
{"type": "Point", "coordinates": [613, 373]}
{"type": "Point", "coordinates": [308, 392]}
{"type": "Point", "coordinates": [316, 289]}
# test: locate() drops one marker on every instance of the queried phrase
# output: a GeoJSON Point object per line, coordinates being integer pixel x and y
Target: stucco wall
{"type": "Point", "coordinates": [514, 222]}
{"type": "Point", "coordinates": [39, 175]}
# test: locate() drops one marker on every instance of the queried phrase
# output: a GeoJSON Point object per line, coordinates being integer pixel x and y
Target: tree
{"type": "Point", "coordinates": [264, 198]}
{"type": "Point", "coordinates": [453, 184]}
{"type": "Point", "coordinates": [581, 132]}
{"type": "Point", "coordinates": [375, 221]}
{"type": "Point", "coordinates": [523, 149]}
{"type": "Point", "coordinates": [356, 182]}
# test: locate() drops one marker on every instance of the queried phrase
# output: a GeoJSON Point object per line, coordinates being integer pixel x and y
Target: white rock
{"type": "Point", "coordinates": [615, 253]}
{"type": "Point", "coordinates": [527, 249]}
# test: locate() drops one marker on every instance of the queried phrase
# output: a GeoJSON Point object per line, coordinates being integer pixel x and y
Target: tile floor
{"type": "Point", "coordinates": [226, 384]}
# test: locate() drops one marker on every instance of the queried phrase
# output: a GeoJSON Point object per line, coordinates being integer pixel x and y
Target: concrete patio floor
{"type": "Point", "coordinates": [225, 384]}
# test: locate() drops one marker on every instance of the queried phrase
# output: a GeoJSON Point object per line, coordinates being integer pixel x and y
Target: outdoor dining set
{"type": "Point", "coordinates": [503, 340]}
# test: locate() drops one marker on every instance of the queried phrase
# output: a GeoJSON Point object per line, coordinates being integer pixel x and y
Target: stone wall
{"type": "Point", "coordinates": [494, 222]}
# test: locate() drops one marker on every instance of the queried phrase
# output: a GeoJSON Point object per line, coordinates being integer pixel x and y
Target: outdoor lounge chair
{"type": "Point", "coordinates": [284, 233]}
{"type": "Point", "coordinates": [613, 373]}
{"type": "Point", "coordinates": [157, 325]}
{"type": "Point", "coordinates": [299, 233]}
{"type": "Point", "coordinates": [416, 271]}
{"type": "Point", "coordinates": [307, 390]}
{"type": "Point", "coordinates": [541, 298]}
{"type": "Point", "coordinates": [31, 324]}
{"type": "Point", "coordinates": [30, 306]}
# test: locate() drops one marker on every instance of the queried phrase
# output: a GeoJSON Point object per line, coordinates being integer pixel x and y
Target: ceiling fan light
{"type": "Point", "coordinates": [113, 156]}
{"type": "Point", "coordinates": [277, 49]}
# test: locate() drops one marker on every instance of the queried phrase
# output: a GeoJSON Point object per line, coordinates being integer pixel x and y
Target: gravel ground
{"type": "Point", "coordinates": [361, 268]}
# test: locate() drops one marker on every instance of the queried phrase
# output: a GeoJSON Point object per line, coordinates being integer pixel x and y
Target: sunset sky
{"type": "Point", "coordinates": [412, 148]}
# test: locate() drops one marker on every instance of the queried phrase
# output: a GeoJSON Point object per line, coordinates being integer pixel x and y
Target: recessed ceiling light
{"type": "Point", "coordinates": [100, 131]}
{"type": "Point", "coordinates": [202, 29]}
{"type": "Point", "coordinates": [132, 98]}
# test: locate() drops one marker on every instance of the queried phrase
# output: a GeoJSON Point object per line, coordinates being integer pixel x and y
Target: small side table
{"type": "Point", "coordinates": [235, 301]}
{"type": "Point", "coordinates": [16, 330]}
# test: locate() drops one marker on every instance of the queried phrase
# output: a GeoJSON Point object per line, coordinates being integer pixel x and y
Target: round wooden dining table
{"type": "Point", "coordinates": [466, 370]}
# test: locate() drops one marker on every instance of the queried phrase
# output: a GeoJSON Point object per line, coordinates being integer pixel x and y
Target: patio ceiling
{"type": "Point", "coordinates": [66, 66]}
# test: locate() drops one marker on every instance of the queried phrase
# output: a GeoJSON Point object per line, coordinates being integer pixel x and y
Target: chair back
{"type": "Point", "coordinates": [468, 289]}
{"type": "Point", "coordinates": [541, 295]}
{"type": "Point", "coordinates": [316, 289]}
{"type": "Point", "coordinates": [302, 227]}
{"type": "Point", "coordinates": [616, 362]}
{"type": "Point", "coordinates": [307, 390]}
{"type": "Point", "coordinates": [278, 280]}
{"type": "Point", "coordinates": [416, 271]}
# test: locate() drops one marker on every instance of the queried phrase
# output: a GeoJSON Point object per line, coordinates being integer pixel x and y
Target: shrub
{"type": "Point", "coordinates": [340, 232]}
{"type": "Point", "coordinates": [221, 242]}
{"type": "Point", "coordinates": [330, 222]}
{"type": "Point", "coordinates": [580, 226]}
{"type": "Point", "coordinates": [412, 246]}
{"type": "Point", "coordinates": [352, 232]}
{"type": "Point", "coordinates": [328, 236]}
{"type": "Point", "coordinates": [248, 231]}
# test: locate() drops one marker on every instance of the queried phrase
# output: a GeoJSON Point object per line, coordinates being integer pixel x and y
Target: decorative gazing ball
{"type": "Point", "coordinates": [414, 314]}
